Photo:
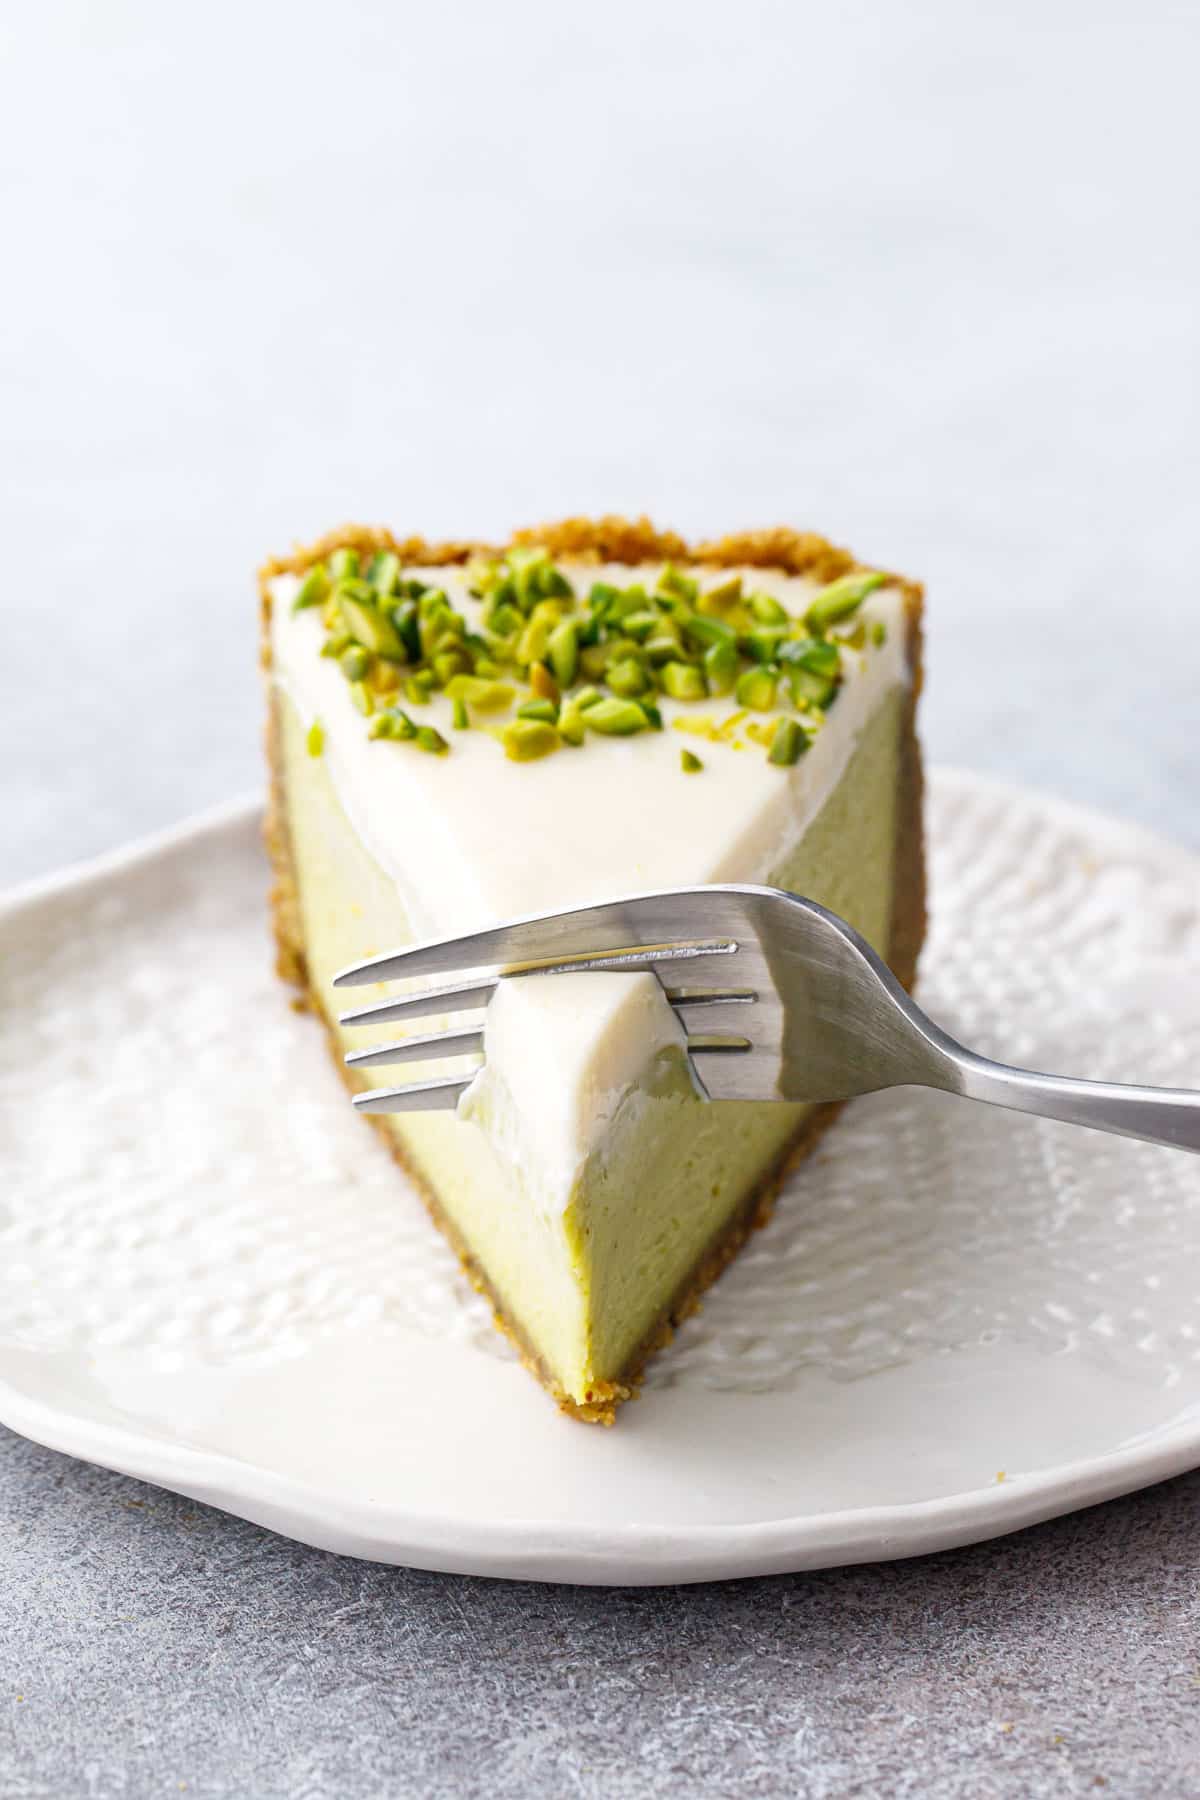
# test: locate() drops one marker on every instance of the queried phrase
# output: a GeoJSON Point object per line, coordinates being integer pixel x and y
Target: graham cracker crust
{"type": "Point", "coordinates": [612, 540]}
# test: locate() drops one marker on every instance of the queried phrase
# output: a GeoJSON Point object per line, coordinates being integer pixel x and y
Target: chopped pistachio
{"type": "Point", "coordinates": [764, 642]}
{"type": "Point", "coordinates": [619, 649]}
{"type": "Point", "coordinates": [543, 683]}
{"type": "Point", "coordinates": [528, 740]}
{"type": "Point", "coordinates": [809, 689]}
{"type": "Point", "coordinates": [628, 678]}
{"type": "Point", "coordinates": [589, 628]}
{"type": "Point", "coordinates": [315, 741]}
{"type": "Point", "coordinates": [766, 609]}
{"type": "Point", "coordinates": [525, 581]}
{"type": "Point", "coordinates": [404, 618]}
{"type": "Point", "coordinates": [840, 599]}
{"type": "Point", "coordinates": [594, 660]}
{"type": "Point", "coordinates": [689, 762]}
{"type": "Point", "coordinates": [641, 625]}
{"type": "Point", "coordinates": [545, 710]}
{"type": "Point", "coordinates": [313, 590]}
{"type": "Point", "coordinates": [343, 564]}
{"type": "Point", "coordinates": [814, 654]}
{"type": "Point", "coordinates": [551, 610]}
{"type": "Point", "coordinates": [371, 628]}
{"type": "Point", "coordinates": [756, 689]}
{"type": "Point", "coordinates": [683, 681]}
{"type": "Point", "coordinates": [502, 620]}
{"type": "Point", "coordinates": [720, 598]}
{"type": "Point", "coordinates": [879, 634]}
{"type": "Point", "coordinates": [571, 728]}
{"type": "Point", "coordinates": [706, 630]}
{"type": "Point", "coordinates": [665, 646]}
{"type": "Point", "coordinates": [441, 633]}
{"type": "Point", "coordinates": [562, 648]}
{"type": "Point", "coordinates": [391, 723]}
{"type": "Point", "coordinates": [482, 575]}
{"type": "Point", "coordinates": [552, 583]}
{"type": "Point", "coordinates": [524, 561]}
{"type": "Point", "coordinates": [484, 696]}
{"type": "Point", "coordinates": [534, 642]}
{"type": "Point", "coordinates": [721, 667]}
{"type": "Point", "coordinates": [450, 662]}
{"type": "Point", "coordinates": [357, 589]}
{"type": "Point", "coordinates": [432, 741]}
{"type": "Point", "coordinates": [615, 718]}
{"type": "Point", "coordinates": [674, 581]}
{"type": "Point", "coordinates": [384, 572]}
{"type": "Point", "coordinates": [625, 645]}
{"type": "Point", "coordinates": [788, 743]}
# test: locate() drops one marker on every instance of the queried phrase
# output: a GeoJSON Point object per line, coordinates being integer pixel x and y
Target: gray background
{"type": "Point", "coordinates": [924, 276]}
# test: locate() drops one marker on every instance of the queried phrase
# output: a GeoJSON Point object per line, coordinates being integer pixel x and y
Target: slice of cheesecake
{"type": "Point", "coordinates": [460, 735]}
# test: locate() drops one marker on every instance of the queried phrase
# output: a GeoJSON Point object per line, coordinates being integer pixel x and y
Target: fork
{"type": "Point", "coordinates": [778, 1000]}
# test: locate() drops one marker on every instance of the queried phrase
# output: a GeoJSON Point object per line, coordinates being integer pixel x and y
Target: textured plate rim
{"type": "Point", "coordinates": [542, 1550]}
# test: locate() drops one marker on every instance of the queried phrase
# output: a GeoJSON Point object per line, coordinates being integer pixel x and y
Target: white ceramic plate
{"type": "Point", "coordinates": [959, 1322]}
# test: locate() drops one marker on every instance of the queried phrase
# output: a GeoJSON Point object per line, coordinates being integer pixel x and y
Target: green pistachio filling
{"type": "Point", "coordinates": [573, 666]}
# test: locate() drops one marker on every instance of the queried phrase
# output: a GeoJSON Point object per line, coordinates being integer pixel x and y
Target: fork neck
{"type": "Point", "coordinates": [1169, 1116]}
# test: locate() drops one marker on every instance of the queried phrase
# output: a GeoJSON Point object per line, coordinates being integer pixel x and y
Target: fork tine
{"type": "Point", "coordinates": [463, 996]}
{"type": "Point", "coordinates": [418, 1049]}
{"type": "Point", "coordinates": [418, 1096]}
{"type": "Point", "coordinates": [670, 924]}
{"type": "Point", "coordinates": [699, 1012]}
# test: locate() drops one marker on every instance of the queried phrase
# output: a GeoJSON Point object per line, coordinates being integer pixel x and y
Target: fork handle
{"type": "Point", "coordinates": [1158, 1115]}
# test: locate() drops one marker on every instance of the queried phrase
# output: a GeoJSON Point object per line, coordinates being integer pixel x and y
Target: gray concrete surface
{"type": "Point", "coordinates": [153, 1647]}
{"type": "Point", "coordinates": [923, 275]}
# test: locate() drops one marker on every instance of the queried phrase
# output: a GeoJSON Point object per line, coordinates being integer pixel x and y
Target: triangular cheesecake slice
{"type": "Point", "coordinates": [460, 735]}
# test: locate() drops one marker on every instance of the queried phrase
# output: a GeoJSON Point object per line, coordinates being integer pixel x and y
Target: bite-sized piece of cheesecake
{"type": "Point", "coordinates": [461, 735]}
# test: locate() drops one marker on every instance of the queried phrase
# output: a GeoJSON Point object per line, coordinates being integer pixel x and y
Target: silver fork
{"type": "Point", "coordinates": [778, 998]}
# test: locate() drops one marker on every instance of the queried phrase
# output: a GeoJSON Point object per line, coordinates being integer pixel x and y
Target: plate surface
{"type": "Point", "coordinates": [959, 1321]}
